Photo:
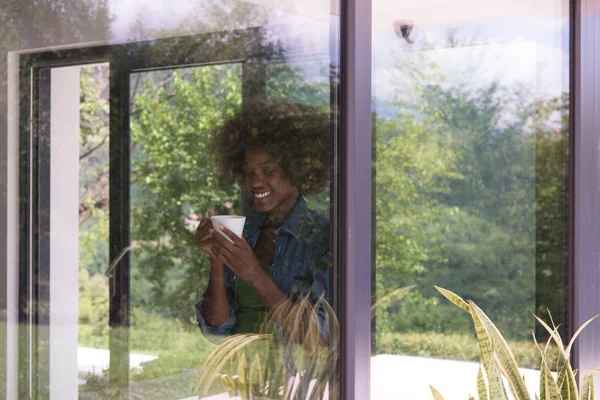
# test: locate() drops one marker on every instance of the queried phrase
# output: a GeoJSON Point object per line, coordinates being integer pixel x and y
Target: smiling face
{"type": "Point", "coordinates": [267, 183]}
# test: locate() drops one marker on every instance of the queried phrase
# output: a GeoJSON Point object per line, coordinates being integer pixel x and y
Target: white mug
{"type": "Point", "coordinates": [235, 223]}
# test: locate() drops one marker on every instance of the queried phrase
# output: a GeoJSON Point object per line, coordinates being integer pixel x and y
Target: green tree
{"type": "Point", "coordinates": [497, 208]}
{"type": "Point", "coordinates": [173, 177]}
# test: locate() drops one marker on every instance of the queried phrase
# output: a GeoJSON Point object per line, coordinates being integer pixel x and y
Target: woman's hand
{"type": "Point", "coordinates": [203, 235]}
{"type": "Point", "coordinates": [238, 256]}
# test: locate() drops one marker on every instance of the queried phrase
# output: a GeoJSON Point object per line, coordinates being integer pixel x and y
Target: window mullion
{"type": "Point", "coordinates": [356, 108]}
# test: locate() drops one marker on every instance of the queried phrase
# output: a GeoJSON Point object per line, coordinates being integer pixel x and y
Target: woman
{"type": "Point", "coordinates": [279, 152]}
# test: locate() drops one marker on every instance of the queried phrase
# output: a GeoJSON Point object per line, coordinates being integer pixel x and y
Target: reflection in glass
{"type": "Point", "coordinates": [93, 328]}
{"type": "Point", "coordinates": [187, 134]}
{"type": "Point", "coordinates": [191, 129]}
{"type": "Point", "coordinates": [276, 280]}
{"type": "Point", "coordinates": [172, 179]}
{"type": "Point", "coordinates": [471, 185]}
{"type": "Point", "coordinates": [138, 334]}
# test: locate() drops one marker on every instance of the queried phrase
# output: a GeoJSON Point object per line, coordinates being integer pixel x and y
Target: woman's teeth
{"type": "Point", "coordinates": [261, 195]}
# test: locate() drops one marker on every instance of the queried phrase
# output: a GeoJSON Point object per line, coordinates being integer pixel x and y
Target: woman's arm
{"type": "Point", "coordinates": [215, 307]}
{"type": "Point", "coordinates": [214, 312]}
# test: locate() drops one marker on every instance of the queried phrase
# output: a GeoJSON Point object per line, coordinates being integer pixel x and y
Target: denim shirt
{"type": "Point", "coordinates": [301, 267]}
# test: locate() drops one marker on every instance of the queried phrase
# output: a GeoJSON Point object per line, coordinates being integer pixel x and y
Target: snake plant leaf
{"type": "Point", "coordinates": [548, 388]}
{"type": "Point", "coordinates": [242, 372]}
{"type": "Point", "coordinates": [505, 358]}
{"type": "Point", "coordinates": [236, 384]}
{"type": "Point", "coordinates": [555, 336]}
{"type": "Point", "coordinates": [436, 395]}
{"type": "Point", "coordinates": [394, 295]}
{"type": "Point", "coordinates": [229, 384]}
{"type": "Point", "coordinates": [255, 377]}
{"type": "Point", "coordinates": [587, 384]}
{"type": "Point", "coordinates": [454, 298]}
{"type": "Point", "coordinates": [569, 373]}
{"type": "Point", "coordinates": [223, 354]}
{"type": "Point", "coordinates": [482, 386]}
{"type": "Point", "coordinates": [586, 323]}
{"type": "Point", "coordinates": [567, 390]}
{"type": "Point", "coordinates": [487, 352]}
{"type": "Point", "coordinates": [497, 390]}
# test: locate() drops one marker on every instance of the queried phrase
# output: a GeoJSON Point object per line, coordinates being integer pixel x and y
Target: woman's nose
{"type": "Point", "coordinates": [256, 181]}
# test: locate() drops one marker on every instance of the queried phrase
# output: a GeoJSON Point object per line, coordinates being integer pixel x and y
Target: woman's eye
{"type": "Point", "coordinates": [270, 172]}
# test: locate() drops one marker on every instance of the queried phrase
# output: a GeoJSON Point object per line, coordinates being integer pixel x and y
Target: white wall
{"type": "Point", "coordinates": [64, 228]}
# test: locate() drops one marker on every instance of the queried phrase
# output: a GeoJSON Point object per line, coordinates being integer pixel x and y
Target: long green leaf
{"type": "Point", "coordinates": [255, 377]}
{"type": "Point", "coordinates": [482, 387]}
{"type": "Point", "coordinates": [567, 391]}
{"type": "Point", "coordinates": [505, 358]}
{"type": "Point", "coordinates": [224, 353]}
{"type": "Point", "coordinates": [486, 349]}
{"type": "Point", "coordinates": [548, 387]}
{"type": "Point", "coordinates": [570, 375]}
{"type": "Point", "coordinates": [228, 384]}
{"type": "Point", "coordinates": [244, 382]}
{"type": "Point", "coordinates": [586, 323]}
{"type": "Point", "coordinates": [454, 298]}
{"type": "Point", "coordinates": [435, 393]}
{"type": "Point", "coordinates": [395, 294]}
{"type": "Point", "coordinates": [587, 384]}
{"type": "Point", "coordinates": [555, 336]}
{"type": "Point", "coordinates": [496, 385]}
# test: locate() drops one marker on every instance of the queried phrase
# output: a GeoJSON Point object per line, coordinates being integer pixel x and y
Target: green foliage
{"type": "Point", "coordinates": [411, 161]}
{"type": "Point", "coordinates": [173, 176]}
{"type": "Point", "coordinates": [456, 346]}
{"type": "Point", "coordinates": [93, 310]}
{"type": "Point", "coordinates": [471, 188]}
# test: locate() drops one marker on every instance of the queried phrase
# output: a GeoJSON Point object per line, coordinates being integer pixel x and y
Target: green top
{"type": "Point", "coordinates": [251, 311]}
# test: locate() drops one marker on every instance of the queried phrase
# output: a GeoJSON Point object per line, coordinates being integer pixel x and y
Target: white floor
{"type": "Point", "coordinates": [404, 377]}
{"type": "Point", "coordinates": [393, 377]}
{"type": "Point", "coordinates": [93, 361]}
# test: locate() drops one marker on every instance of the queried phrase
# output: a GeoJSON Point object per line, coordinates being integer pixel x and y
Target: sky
{"type": "Point", "coordinates": [524, 43]}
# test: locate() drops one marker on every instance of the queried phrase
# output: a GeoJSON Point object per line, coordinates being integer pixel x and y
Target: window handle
{"type": "Point", "coordinates": [113, 264]}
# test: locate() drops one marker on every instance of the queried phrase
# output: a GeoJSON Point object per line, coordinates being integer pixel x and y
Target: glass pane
{"type": "Point", "coordinates": [93, 331]}
{"type": "Point", "coordinates": [173, 182]}
{"type": "Point", "coordinates": [190, 68]}
{"type": "Point", "coordinates": [471, 123]}
{"type": "Point", "coordinates": [190, 129]}
{"type": "Point", "coordinates": [305, 81]}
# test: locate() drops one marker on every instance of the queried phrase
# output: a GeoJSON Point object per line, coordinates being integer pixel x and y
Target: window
{"type": "Point", "coordinates": [463, 152]}
{"type": "Point", "coordinates": [125, 135]}
{"type": "Point", "coordinates": [471, 190]}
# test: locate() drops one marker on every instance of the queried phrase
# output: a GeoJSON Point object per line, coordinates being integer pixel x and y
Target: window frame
{"type": "Point", "coordinates": [585, 198]}
{"type": "Point", "coordinates": [356, 204]}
